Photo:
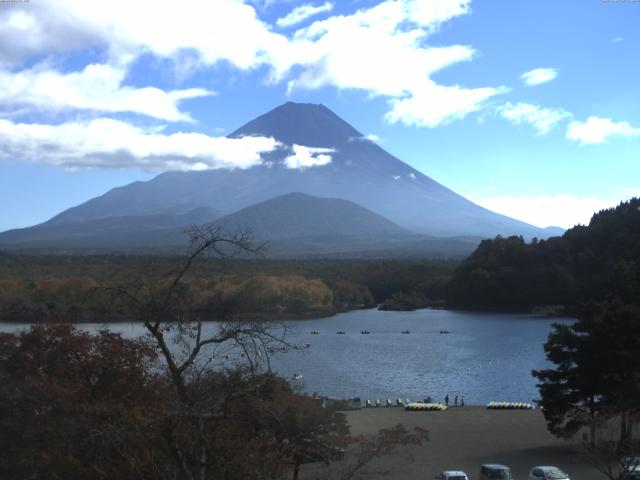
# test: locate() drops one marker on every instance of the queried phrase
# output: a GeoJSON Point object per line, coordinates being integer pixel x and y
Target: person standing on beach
{"type": "Point", "coordinates": [462, 401]}
{"type": "Point", "coordinates": [455, 401]}
{"type": "Point", "coordinates": [446, 399]}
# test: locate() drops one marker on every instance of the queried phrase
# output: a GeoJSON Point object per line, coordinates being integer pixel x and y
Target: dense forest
{"type": "Point", "coordinates": [75, 288]}
{"type": "Point", "coordinates": [588, 263]}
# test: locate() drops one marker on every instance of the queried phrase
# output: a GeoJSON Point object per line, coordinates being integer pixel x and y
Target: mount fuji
{"type": "Point", "coordinates": [391, 198]}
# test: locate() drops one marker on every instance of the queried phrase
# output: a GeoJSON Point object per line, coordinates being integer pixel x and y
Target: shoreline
{"type": "Point", "coordinates": [311, 315]}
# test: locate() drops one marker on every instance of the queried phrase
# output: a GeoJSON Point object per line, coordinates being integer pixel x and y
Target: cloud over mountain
{"type": "Point", "coordinates": [305, 157]}
{"type": "Point", "coordinates": [108, 143]}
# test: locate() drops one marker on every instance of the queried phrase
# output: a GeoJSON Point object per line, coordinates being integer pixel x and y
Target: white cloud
{"type": "Point", "coordinates": [598, 130]}
{"type": "Point", "coordinates": [39, 28]}
{"type": "Point", "coordinates": [368, 50]}
{"type": "Point", "coordinates": [108, 143]}
{"type": "Point", "coordinates": [383, 51]}
{"type": "Point", "coordinates": [538, 76]}
{"type": "Point", "coordinates": [432, 105]}
{"type": "Point", "coordinates": [542, 119]}
{"type": "Point", "coordinates": [617, 40]}
{"type": "Point", "coordinates": [205, 32]}
{"type": "Point", "coordinates": [371, 137]}
{"type": "Point", "coordinates": [553, 210]}
{"type": "Point", "coordinates": [305, 157]}
{"type": "Point", "coordinates": [221, 30]}
{"type": "Point", "coordinates": [302, 12]}
{"type": "Point", "coordinates": [97, 87]}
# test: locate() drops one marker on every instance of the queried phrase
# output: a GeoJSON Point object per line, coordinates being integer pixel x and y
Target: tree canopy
{"type": "Point", "coordinates": [596, 374]}
{"type": "Point", "coordinates": [587, 263]}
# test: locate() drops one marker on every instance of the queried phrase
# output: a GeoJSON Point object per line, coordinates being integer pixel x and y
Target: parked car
{"type": "Point", "coordinates": [632, 465]}
{"type": "Point", "coordinates": [356, 403]}
{"type": "Point", "coordinates": [547, 473]}
{"type": "Point", "coordinates": [451, 475]}
{"type": "Point", "coordinates": [495, 471]}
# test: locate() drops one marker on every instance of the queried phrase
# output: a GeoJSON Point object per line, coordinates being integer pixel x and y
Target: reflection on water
{"type": "Point", "coordinates": [484, 357]}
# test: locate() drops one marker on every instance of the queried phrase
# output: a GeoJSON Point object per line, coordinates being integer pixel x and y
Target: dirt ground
{"type": "Point", "coordinates": [463, 438]}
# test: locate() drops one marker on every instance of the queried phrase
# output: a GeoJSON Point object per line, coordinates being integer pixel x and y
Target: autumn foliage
{"type": "Point", "coordinates": [80, 406]}
{"type": "Point", "coordinates": [73, 405]}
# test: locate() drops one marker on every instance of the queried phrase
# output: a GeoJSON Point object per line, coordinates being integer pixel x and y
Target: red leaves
{"type": "Point", "coordinates": [66, 396]}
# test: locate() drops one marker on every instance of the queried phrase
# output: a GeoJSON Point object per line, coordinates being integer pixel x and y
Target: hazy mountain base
{"type": "Point", "coordinates": [304, 248]}
{"type": "Point", "coordinates": [293, 226]}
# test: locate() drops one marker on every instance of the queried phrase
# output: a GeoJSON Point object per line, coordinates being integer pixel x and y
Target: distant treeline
{"type": "Point", "coordinates": [586, 264]}
{"type": "Point", "coordinates": [52, 288]}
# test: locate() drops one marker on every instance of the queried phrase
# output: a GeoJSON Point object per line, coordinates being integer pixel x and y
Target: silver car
{"type": "Point", "coordinates": [632, 467]}
{"type": "Point", "coordinates": [547, 473]}
{"type": "Point", "coordinates": [451, 475]}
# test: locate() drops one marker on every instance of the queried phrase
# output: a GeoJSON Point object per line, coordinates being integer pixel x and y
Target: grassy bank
{"type": "Point", "coordinates": [463, 438]}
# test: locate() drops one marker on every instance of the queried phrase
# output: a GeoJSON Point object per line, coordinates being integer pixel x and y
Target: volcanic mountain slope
{"type": "Point", "coordinates": [359, 171]}
{"type": "Point", "coordinates": [292, 225]}
{"type": "Point", "coordinates": [297, 215]}
{"type": "Point", "coordinates": [300, 225]}
{"type": "Point", "coordinates": [157, 230]}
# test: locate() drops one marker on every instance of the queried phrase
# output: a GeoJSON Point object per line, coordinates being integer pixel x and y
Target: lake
{"type": "Point", "coordinates": [484, 357]}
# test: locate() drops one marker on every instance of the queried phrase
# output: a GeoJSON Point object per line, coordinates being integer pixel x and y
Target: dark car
{"type": "Point", "coordinates": [495, 471]}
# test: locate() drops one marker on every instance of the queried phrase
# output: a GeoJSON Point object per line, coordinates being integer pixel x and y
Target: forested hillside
{"type": "Point", "coordinates": [588, 263]}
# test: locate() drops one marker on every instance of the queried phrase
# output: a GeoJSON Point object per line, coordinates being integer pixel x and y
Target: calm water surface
{"type": "Point", "coordinates": [484, 356]}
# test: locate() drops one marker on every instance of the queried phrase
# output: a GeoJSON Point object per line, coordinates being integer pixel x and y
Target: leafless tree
{"type": "Point", "coordinates": [190, 348]}
{"type": "Point", "coordinates": [362, 450]}
{"type": "Point", "coordinates": [611, 455]}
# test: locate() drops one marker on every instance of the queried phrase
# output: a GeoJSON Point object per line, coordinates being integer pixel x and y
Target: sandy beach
{"type": "Point", "coordinates": [463, 438]}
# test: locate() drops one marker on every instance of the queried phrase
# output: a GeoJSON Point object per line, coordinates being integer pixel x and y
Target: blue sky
{"type": "Point", "coordinates": [529, 108]}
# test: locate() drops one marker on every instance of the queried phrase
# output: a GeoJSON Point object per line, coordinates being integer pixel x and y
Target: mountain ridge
{"type": "Point", "coordinates": [300, 215]}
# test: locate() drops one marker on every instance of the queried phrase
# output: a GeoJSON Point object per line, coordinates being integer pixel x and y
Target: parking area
{"type": "Point", "coordinates": [463, 438]}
